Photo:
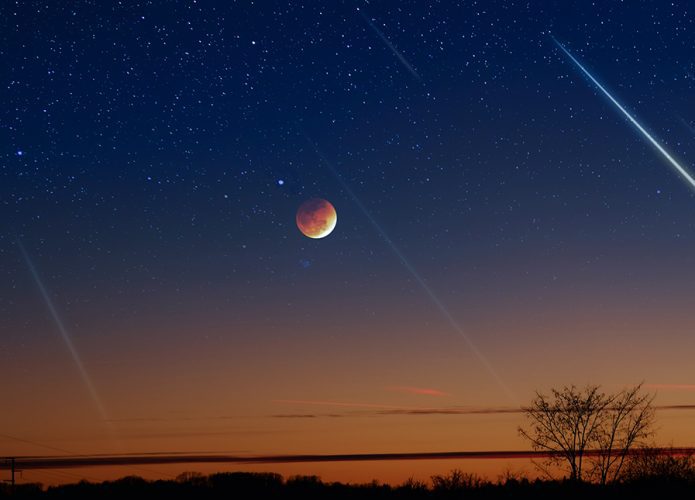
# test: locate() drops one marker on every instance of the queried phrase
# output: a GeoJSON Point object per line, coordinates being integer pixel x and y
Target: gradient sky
{"type": "Point", "coordinates": [153, 155]}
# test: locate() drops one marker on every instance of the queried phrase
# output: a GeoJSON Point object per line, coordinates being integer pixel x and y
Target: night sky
{"type": "Point", "coordinates": [502, 227]}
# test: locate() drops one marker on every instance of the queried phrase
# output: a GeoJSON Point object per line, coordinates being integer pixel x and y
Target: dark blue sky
{"type": "Point", "coordinates": [153, 155]}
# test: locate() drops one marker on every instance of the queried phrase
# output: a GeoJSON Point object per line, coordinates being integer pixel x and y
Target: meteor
{"type": "Point", "coordinates": [416, 276]}
{"type": "Point", "coordinates": [388, 43]}
{"type": "Point", "coordinates": [688, 125]}
{"type": "Point", "coordinates": [64, 333]}
{"type": "Point", "coordinates": [681, 170]}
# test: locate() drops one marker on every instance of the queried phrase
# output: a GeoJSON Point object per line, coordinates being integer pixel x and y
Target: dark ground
{"type": "Point", "coordinates": [267, 485]}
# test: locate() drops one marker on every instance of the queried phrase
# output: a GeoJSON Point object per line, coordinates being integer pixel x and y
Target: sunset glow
{"type": "Point", "coordinates": [516, 218]}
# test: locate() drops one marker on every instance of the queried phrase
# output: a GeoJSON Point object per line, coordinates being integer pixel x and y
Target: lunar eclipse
{"type": "Point", "coordinates": [316, 218]}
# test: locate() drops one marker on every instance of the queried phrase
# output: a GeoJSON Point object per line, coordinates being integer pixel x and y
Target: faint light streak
{"type": "Point", "coordinates": [67, 339]}
{"type": "Point", "coordinates": [688, 125]}
{"type": "Point", "coordinates": [388, 43]}
{"type": "Point", "coordinates": [419, 279]}
{"type": "Point", "coordinates": [686, 175]}
{"type": "Point", "coordinates": [33, 443]}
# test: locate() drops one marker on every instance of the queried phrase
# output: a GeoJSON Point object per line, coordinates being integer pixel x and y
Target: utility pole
{"type": "Point", "coordinates": [13, 469]}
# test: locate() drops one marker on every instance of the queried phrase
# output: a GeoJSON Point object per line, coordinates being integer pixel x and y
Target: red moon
{"type": "Point", "coordinates": [316, 218]}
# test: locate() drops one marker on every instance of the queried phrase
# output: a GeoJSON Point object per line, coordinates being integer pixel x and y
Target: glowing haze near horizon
{"type": "Point", "coordinates": [153, 157]}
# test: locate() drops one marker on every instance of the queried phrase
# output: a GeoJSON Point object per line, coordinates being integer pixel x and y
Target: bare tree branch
{"type": "Point", "coordinates": [572, 421]}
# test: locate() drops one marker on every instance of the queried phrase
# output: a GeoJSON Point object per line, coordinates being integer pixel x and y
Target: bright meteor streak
{"type": "Point", "coordinates": [686, 175]}
{"type": "Point", "coordinates": [63, 333]}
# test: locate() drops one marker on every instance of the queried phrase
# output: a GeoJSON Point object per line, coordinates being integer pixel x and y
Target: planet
{"type": "Point", "coordinates": [316, 218]}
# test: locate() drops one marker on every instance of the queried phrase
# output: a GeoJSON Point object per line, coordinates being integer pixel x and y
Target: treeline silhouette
{"type": "Point", "coordinates": [594, 441]}
{"type": "Point", "coordinates": [650, 475]}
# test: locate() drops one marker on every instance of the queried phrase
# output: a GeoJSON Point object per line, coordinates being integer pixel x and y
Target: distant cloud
{"type": "Point", "coordinates": [675, 407]}
{"type": "Point", "coordinates": [62, 462]}
{"type": "Point", "coordinates": [417, 390]}
{"type": "Point", "coordinates": [372, 409]}
{"type": "Point", "coordinates": [295, 415]}
{"type": "Point", "coordinates": [384, 409]}
{"type": "Point", "coordinates": [307, 415]}
{"type": "Point", "coordinates": [452, 411]}
{"type": "Point", "coordinates": [670, 387]}
{"type": "Point", "coordinates": [345, 404]}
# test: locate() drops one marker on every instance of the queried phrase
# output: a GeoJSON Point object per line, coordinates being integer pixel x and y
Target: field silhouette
{"type": "Point", "coordinates": [669, 476]}
{"type": "Point", "coordinates": [568, 430]}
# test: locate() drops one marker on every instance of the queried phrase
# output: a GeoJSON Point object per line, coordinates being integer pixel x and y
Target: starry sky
{"type": "Point", "coordinates": [502, 228]}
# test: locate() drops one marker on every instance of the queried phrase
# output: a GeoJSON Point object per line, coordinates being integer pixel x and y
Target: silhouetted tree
{"type": "Point", "coordinates": [565, 424]}
{"type": "Point", "coordinates": [572, 421]}
{"type": "Point", "coordinates": [626, 422]}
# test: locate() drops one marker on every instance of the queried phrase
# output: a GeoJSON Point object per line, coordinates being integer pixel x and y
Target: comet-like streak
{"type": "Point", "coordinates": [388, 43]}
{"type": "Point", "coordinates": [413, 272]}
{"type": "Point", "coordinates": [64, 333]}
{"type": "Point", "coordinates": [688, 125]}
{"type": "Point", "coordinates": [686, 175]}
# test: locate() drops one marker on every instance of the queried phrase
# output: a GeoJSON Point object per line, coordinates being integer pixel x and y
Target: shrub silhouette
{"type": "Point", "coordinates": [457, 480]}
{"type": "Point", "coordinates": [651, 473]}
{"type": "Point", "coordinates": [649, 465]}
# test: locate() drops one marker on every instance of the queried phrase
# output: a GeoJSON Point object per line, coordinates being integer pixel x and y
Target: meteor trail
{"type": "Point", "coordinates": [388, 43]}
{"type": "Point", "coordinates": [686, 175]}
{"type": "Point", "coordinates": [413, 272]}
{"type": "Point", "coordinates": [688, 125]}
{"type": "Point", "coordinates": [63, 333]}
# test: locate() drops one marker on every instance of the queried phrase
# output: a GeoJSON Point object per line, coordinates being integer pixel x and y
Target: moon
{"type": "Point", "coordinates": [316, 218]}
